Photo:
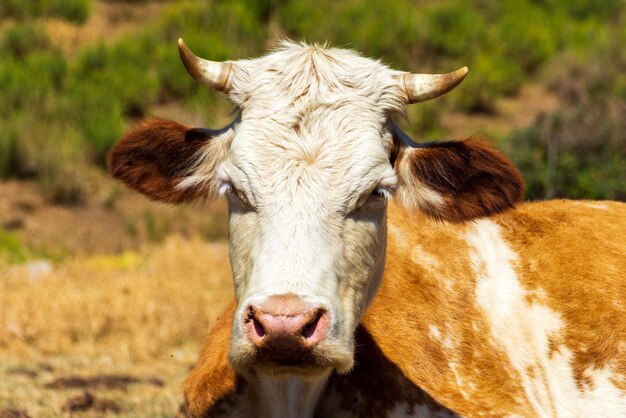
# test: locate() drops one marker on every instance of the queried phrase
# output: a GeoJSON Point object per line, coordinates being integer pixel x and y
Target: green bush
{"type": "Point", "coordinates": [124, 70]}
{"type": "Point", "coordinates": [491, 77]}
{"type": "Point", "coordinates": [76, 11]}
{"type": "Point", "coordinates": [585, 9]}
{"type": "Point", "coordinates": [130, 1]}
{"type": "Point", "coordinates": [97, 114]}
{"type": "Point", "coordinates": [51, 151]}
{"type": "Point", "coordinates": [22, 39]}
{"type": "Point", "coordinates": [527, 42]}
{"type": "Point", "coordinates": [30, 70]}
{"type": "Point", "coordinates": [31, 79]}
{"type": "Point", "coordinates": [223, 30]}
{"type": "Point", "coordinates": [11, 160]}
{"type": "Point", "coordinates": [568, 154]}
{"type": "Point", "coordinates": [424, 121]}
{"type": "Point", "coordinates": [454, 29]}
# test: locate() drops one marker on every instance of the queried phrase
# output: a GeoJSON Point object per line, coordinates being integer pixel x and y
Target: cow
{"type": "Point", "coordinates": [488, 307]}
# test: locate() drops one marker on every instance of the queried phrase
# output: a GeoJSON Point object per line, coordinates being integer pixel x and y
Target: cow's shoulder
{"type": "Point", "coordinates": [519, 311]}
{"type": "Point", "coordinates": [213, 389]}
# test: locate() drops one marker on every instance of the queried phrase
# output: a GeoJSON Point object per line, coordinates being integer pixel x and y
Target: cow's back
{"type": "Point", "coordinates": [518, 314]}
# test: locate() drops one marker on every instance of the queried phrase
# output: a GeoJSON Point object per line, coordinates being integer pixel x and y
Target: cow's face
{"type": "Point", "coordinates": [307, 170]}
{"type": "Point", "coordinates": [307, 177]}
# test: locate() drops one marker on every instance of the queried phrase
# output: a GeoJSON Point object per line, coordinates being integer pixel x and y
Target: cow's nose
{"type": "Point", "coordinates": [285, 325]}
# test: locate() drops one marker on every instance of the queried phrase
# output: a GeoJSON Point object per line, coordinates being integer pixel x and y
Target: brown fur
{"type": "Point", "coordinates": [593, 299]}
{"type": "Point", "coordinates": [474, 179]}
{"type": "Point", "coordinates": [212, 382]}
{"type": "Point", "coordinates": [154, 157]}
{"type": "Point", "coordinates": [572, 252]}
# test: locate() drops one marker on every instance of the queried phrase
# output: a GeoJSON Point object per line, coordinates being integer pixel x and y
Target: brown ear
{"type": "Point", "coordinates": [458, 180]}
{"type": "Point", "coordinates": [155, 157]}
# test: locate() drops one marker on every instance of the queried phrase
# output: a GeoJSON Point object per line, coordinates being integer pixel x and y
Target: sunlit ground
{"type": "Point", "coordinates": [125, 328]}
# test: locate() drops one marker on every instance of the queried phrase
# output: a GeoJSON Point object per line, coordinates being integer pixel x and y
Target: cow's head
{"type": "Point", "coordinates": [308, 169]}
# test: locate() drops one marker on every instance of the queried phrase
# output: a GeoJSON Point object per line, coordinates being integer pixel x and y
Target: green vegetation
{"type": "Point", "coordinates": [60, 114]}
{"type": "Point", "coordinates": [73, 10]}
{"type": "Point", "coordinates": [11, 248]}
{"type": "Point", "coordinates": [579, 151]}
{"type": "Point", "coordinates": [567, 155]}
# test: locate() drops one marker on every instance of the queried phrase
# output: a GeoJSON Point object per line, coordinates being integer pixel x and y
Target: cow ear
{"type": "Point", "coordinates": [457, 180]}
{"type": "Point", "coordinates": [155, 157]}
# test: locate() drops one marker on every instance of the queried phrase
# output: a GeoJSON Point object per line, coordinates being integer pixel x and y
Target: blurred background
{"type": "Point", "coordinates": [104, 296]}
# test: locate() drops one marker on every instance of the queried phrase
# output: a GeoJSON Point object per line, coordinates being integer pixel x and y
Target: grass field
{"type": "Point", "coordinates": [124, 328]}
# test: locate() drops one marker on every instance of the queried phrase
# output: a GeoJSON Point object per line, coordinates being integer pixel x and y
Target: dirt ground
{"type": "Point", "coordinates": [113, 219]}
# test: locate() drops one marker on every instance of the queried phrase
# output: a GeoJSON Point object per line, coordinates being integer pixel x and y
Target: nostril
{"type": "Point", "coordinates": [258, 328]}
{"type": "Point", "coordinates": [286, 325]}
{"type": "Point", "coordinates": [309, 329]}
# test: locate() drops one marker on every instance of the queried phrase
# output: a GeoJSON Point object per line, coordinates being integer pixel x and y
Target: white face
{"type": "Point", "coordinates": [307, 176]}
{"type": "Point", "coordinates": [308, 220]}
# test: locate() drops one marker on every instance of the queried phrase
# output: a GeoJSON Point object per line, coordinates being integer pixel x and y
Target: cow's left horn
{"type": "Point", "coordinates": [422, 87]}
{"type": "Point", "coordinates": [210, 73]}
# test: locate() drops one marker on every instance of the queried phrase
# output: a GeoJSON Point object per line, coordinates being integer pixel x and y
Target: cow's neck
{"type": "Point", "coordinates": [286, 398]}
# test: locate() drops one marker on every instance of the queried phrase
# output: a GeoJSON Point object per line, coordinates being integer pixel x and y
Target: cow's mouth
{"type": "Point", "coordinates": [290, 357]}
{"type": "Point", "coordinates": [289, 360]}
{"type": "Point", "coordinates": [300, 365]}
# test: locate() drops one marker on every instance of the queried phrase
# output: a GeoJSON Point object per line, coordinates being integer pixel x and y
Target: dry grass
{"type": "Point", "coordinates": [142, 314]}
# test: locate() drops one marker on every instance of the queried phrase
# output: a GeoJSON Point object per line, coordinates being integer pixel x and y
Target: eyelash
{"type": "Point", "coordinates": [227, 188]}
{"type": "Point", "coordinates": [381, 192]}
{"type": "Point", "coordinates": [376, 196]}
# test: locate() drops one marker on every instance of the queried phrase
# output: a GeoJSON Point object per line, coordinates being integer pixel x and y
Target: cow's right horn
{"type": "Point", "coordinates": [210, 73]}
{"type": "Point", "coordinates": [422, 87]}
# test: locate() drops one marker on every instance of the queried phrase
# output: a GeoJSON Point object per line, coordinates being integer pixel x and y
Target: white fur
{"type": "Point", "coordinates": [421, 257]}
{"type": "Point", "coordinates": [311, 147]}
{"type": "Point", "coordinates": [287, 398]}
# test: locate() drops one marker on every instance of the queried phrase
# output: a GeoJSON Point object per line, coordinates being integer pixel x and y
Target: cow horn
{"type": "Point", "coordinates": [422, 87]}
{"type": "Point", "coordinates": [210, 73]}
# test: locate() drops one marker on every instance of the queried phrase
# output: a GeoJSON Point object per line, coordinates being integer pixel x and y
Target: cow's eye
{"type": "Point", "coordinates": [377, 197]}
{"type": "Point", "coordinates": [241, 198]}
{"type": "Point", "coordinates": [379, 193]}
{"type": "Point", "coordinates": [236, 196]}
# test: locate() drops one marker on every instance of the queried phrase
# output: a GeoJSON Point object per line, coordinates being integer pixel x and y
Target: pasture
{"type": "Point", "coordinates": [125, 328]}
